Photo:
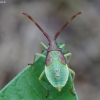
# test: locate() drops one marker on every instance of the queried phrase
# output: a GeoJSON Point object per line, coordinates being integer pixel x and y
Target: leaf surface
{"type": "Point", "coordinates": [26, 86]}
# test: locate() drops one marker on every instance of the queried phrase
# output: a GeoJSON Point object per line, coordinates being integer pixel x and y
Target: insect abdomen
{"type": "Point", "coordinates": [57, 74]}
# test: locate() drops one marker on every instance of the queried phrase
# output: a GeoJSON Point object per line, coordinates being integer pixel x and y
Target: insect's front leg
{"type": "Point", "coordinates": [43, 46]}
{"type": "Point", "coordinates": [37, 55]}
{"type": "Point", "coordinates": [62, 46]}
{"type": "Point", "coordinates": [40, 80]}
{"type": "Point", "coordinates": [73, 77]}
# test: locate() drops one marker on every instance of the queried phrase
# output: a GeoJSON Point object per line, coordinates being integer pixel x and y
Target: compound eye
{"type": "Point", "coordinates": [48, 59]}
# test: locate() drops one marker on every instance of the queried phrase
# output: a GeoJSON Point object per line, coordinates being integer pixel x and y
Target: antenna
{"type": "Point", "coordinates": [67, 24]}
{"type": "Point", "coordinates": [46, 35]}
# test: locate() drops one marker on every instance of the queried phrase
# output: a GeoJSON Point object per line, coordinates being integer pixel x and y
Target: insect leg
{"type": "Point", "coordinates": [71, 88]}
{"type": "Point", "coordinates": [37, 55]}
{"type": "Point", "coordinates": [40, 78]}
{"type": "Point", "coordinates": [43, 46]}
{"type": "Point", "coordinates": [68, 59]}
{"type": "Point", "coordinates": [63, 45]}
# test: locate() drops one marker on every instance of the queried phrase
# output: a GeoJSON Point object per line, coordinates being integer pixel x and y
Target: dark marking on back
{"type": "Point", "coordinates": [62, 58]}
{"type": "Point", "coordinates": [57, 70]}
{"type": "Point", "coordinates": [57, 76]}
{"type": "Point", "coordinates": [48, 59]}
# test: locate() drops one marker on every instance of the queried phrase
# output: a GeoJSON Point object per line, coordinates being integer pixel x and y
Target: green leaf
{"type": "Point", "coordinates": [26, 86]}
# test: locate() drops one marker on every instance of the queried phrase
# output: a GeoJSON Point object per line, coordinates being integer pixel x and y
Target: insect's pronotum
{"type": "Point", "coordinates": [56, 62]}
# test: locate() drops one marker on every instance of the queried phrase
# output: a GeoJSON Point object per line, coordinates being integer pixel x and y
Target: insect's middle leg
{"type": "Point", "coordinates": [71, 87]}
{"type": "Point", "coordinates": [68, 57]}
{"type": "Point", "coordinates": [37, 55]}
{"type": "Point", "coordinates": [40, 78]}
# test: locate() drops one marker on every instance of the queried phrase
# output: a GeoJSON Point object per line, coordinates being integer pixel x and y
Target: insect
{"type": "Point", "coordinates": [56, 62]}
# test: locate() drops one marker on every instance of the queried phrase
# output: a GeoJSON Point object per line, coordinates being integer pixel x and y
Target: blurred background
{"type": "Point", "coordinates": [20, 38]}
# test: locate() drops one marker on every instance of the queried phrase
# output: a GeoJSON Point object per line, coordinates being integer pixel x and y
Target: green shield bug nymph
{"type": "Point", "coordinates": [56, 62]}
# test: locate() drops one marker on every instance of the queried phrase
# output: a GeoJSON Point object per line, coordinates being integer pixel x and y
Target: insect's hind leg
{"type": "Point", "coordinates": [40, 78]}
{"type": "Point", "coordinates": [43, 46]}
{"type": "Point", "coordinates": [37, 55]}
{"type": "Point", "coordinates": [73, 77]}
